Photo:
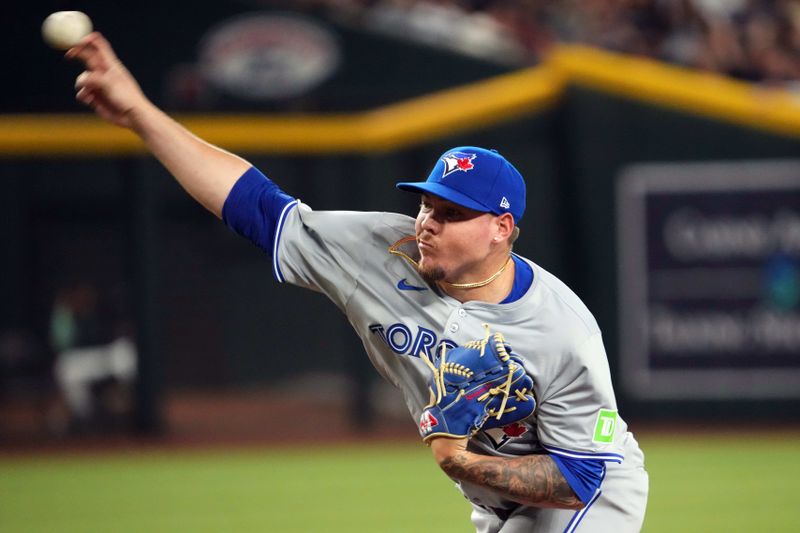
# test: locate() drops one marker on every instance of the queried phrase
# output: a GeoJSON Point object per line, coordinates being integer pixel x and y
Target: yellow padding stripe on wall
{"type": "Point", "coordinates": [700, 93]}
{"type": "Point", "coordinates": [395, 126]}
{"type": "Point", "coordinates": [468, 108]}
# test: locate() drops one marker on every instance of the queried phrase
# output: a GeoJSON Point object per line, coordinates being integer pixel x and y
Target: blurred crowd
{"type": "Point", "coordinates": [754, 40]}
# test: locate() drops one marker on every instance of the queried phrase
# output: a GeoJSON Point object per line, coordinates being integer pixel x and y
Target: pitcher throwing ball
{"type": "Point", "coordinates": [500, 364]}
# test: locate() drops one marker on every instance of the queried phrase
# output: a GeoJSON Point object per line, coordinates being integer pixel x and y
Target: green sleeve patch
{"type": "Point", "coordinates": [605, 426]}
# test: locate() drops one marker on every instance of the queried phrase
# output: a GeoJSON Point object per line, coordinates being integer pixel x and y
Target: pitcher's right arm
{"type": "Point", "coordinates": [206, 172]}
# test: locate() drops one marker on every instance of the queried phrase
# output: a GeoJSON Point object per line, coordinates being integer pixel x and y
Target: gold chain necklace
{"type": "Point", "coordinates": [476, 284]}
{"type": "Point", "coordinates": [393, 249]}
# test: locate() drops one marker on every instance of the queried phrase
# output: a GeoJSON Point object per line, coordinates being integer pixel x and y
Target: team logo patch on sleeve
{"type": "Point", "coordinates": [605, 426]}
{"type": "Point", "coordinates": [427, 422]}
{"type": "Point", "coordinates": [499, 437]}
{"type": "Point", "coordinates": [515, 430]}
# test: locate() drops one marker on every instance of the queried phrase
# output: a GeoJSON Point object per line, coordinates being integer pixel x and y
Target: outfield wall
{"type": "Point", "coordinates": [87, 198]}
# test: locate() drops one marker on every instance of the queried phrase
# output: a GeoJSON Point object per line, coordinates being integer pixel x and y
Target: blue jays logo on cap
{"type": "Point", "coordinates": [455, 161]}
{"type": "Point", "coordinates": [476, 178]}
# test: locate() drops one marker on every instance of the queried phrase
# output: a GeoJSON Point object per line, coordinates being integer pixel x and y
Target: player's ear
{"type": "Point", "coordinates": [505, 226]}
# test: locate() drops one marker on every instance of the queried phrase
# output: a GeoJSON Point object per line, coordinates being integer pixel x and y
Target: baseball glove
{"type": "Point", "coordinates": [480, 385]}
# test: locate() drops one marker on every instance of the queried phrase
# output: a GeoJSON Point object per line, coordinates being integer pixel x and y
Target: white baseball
{"type": "Point", "coordinates": [63, 29]}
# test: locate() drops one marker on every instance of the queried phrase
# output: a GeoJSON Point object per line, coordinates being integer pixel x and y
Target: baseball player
{"type": "Point", "coordinates": [414, 289]}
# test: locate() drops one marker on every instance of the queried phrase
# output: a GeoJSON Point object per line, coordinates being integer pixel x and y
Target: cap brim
{"type": "Point", "coordinates": [443, 191]}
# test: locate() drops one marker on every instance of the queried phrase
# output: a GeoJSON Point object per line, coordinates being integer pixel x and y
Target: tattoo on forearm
{"type": "Point", "coordinates": [531, 480]}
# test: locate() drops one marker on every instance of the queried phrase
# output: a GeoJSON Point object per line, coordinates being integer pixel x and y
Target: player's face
{"type": "Point", "coordinates": [453, 240]}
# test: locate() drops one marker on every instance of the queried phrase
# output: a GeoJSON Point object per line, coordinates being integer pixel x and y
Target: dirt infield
{"type": "Point", "coordinates": [270, 418]}
{"type": "Point", "coordinates": [257, 418]}
{"type": "Point", "coordinates": [211, 419]}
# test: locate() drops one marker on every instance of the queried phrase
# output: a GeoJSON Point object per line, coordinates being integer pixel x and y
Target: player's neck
{"type": "Point", "coordinates": [491, 287]}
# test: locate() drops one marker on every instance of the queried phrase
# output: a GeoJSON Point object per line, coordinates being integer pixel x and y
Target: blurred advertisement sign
{"type": "Point", "coordinates": [265, 56]}
{"type": "Point", "coordinates": [709, 280]}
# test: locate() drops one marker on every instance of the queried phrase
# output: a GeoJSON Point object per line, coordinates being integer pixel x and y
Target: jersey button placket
{"type": "Point", "coordinates": [455, 318]}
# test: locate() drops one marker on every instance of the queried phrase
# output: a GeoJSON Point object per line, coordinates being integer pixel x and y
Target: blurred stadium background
{"type": "Point", "coordinates": [154, 377]}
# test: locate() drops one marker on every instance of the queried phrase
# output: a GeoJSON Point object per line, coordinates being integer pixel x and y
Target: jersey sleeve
{"type": "Point", "coordinates": [254, 207]}
{"type": "Point", "coordinates": [319, 250]}
{"type": "Point", "coordinates": [577, 416]}
{"type": "Point", "coordinates": [324, 251]}
{"type": "Point", "coordinates": [583, 475]}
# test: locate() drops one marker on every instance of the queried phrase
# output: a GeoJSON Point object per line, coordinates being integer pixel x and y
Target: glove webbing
{"type": "Point", "coordinates": [504, 389]}
{"type": "Point", "coordinates": [438, 373]}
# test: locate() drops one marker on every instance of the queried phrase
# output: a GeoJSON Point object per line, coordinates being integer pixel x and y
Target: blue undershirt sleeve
{"type": "Point", "coordinates": [253, 207]}
{"type": "Point", "coordinates": [583, 475]}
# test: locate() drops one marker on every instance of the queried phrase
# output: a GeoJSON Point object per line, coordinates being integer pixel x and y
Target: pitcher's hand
{"type": "Point", "coordinates": [106, 85]}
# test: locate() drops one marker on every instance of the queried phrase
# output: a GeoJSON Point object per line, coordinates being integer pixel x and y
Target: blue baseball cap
{"type": "Point", "coordinates": [476, 178]}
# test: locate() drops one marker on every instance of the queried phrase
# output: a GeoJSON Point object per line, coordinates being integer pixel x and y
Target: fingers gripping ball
{"type": "Point", "coordinates": [480, 385]}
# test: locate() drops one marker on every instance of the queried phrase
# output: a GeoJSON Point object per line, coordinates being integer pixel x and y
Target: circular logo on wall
{"type": "Point", "coordinates": [262, 57]}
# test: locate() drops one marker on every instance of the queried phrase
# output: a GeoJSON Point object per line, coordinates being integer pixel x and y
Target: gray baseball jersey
{"type": "Point", "coordinates": [345, 255]}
